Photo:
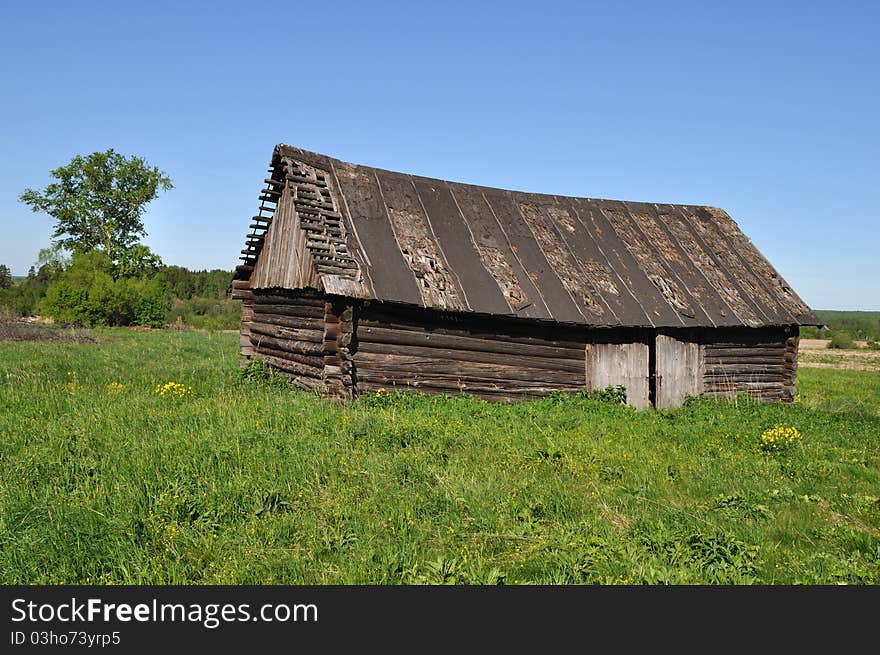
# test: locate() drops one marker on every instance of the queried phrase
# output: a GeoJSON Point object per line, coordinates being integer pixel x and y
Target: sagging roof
{"type": "Point", "coordinates": [374, 234]}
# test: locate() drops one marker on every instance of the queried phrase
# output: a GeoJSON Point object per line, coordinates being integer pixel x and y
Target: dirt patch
{"type": "Point", "coordinates": [822, 345]}
{"type": "Point", "coordinates": [33, 330]}
{"type": "Point", "coordinates": [815, 353]}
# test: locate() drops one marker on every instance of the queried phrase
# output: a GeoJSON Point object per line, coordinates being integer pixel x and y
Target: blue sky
{"type": "Point", "coordinates": [768, 110]}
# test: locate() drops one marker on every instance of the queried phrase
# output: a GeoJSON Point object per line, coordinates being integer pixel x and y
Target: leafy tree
{"type": "Point", "coordinates": [137, 261]}
{"type": "Point", "coordinates": [5, 277]}
{"type": "Point", "coordinates": [98, 201]}
{"type": "Point", "coordinates": [50, 261]}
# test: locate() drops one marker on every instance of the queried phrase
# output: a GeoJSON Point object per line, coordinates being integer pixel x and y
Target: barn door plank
{"type": "Point", "coordinates": [613, 364]}
{"type": "Point", "coordinates": [678, 371]}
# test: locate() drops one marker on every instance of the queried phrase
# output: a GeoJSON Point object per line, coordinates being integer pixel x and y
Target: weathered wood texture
{"type": "Point", "coordinates": [613, 364]}
{"type": "Point", "coordinates": [752, 361]}
{"type": "Point", "coordinates": [678, 371]}
{"type": "Point", "coordinates": [338, 332]}
{"type": "Point", "coordinates": [343, 348]}
{"type": "Point", "coordinates": [285, 260]}
{"type": "Point", "coordinates": [292, 341]}
{"type": "Point", "coordinates": [241, 290]}
{"type": "Point", "coordinates": [361, 232]}
{"type": "Point", "coordinates": [305, 246]}
{"type": "Point", "coordinates": [789, 376]}
{"type": "Point", "coordinates": [449, 353]}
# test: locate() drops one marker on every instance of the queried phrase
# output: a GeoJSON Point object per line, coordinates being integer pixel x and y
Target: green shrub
{"type": "Point", "coordinates": [257, 371]}
{"type": "Point", "coordinates": [87, 294]}
{"type": "Point", "coordinates": [841, 339]}
{"type": "Point", "coordinates": [206, 313]}
{"type": "Point", "coordinates": [812, 332]}
{"type": "Point", "coordinates": [615, 395]}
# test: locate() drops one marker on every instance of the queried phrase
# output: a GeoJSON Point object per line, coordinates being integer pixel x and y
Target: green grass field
{"type": "Point", "coordinates": [103, 480]}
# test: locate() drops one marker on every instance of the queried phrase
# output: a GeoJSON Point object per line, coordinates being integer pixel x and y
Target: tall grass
{"type": "Point", "coordinates": [103, 480]}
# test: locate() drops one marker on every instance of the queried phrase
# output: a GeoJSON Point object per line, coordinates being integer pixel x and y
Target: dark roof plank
{"type": "Point", "coordinates": [456, 240]}
{"type": "Point", "coordinates": [392, 279]}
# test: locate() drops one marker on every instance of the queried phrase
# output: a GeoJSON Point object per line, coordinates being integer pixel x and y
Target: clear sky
{"type": "Point", "coordinates": [769, 110]}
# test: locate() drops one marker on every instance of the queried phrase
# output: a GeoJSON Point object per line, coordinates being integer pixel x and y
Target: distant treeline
{"type": "Point", "coordinates": [861, 326]}
{"type": "Point", "coordinates": [90, 290]}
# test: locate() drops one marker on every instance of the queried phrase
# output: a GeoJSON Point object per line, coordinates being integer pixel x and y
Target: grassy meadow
{"type": "Point", "coordinates": [110, 475]}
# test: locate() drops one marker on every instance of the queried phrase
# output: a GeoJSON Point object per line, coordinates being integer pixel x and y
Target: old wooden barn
{"type": "Point", "coordinates": [356, 278]}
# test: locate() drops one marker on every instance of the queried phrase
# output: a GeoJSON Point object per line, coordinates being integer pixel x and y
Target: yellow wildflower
{"type": "Point", "coordinates": [173, 390]}
{"type": "Point", "coordinates": [779, 438]}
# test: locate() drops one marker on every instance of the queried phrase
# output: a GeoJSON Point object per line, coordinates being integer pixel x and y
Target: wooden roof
{"type": "Point", "coordinates": [374, 234]}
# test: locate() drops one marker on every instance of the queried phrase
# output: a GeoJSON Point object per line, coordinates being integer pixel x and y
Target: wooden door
{"type": "Point", "coordinates": [678, 371]}
{"type": "Point", "coordinates": [613, 364]}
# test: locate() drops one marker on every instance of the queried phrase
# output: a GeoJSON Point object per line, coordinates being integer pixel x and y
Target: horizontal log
{"type": "Point", "coordinates": [396, 323]}
{"type": "Point", "coordinates": [762, 397]}
{"type": "Point", "coordinates": [461, 381]}
{"type": "Point", "coordinates": [406, 364]}
{"type": "Point", "coordinates": [297, 299]}
{"type": "Point", "coordinates": [303, 323]}
{"type": "Point", "coordinates": [504, 380]}
{"type": "Point", "coordinates": [289, 310]}
{"type": "Point", "coordinates": [287, 333]}
{"type": "Point", "coordinates": [738, 369]}
{"type": "Point", "coordinates": [342, 265]}
{"type": "Point", "coordinates": [288, 345]}
{"type": "Point", "coordinates": [742, 349]}
{"type": "Point", "coordinates": [742, 379]}
{"type": "Point", "coordinates": [292, 367]}
{"type": "Point", "coordinates": [755, 361]}
{"type": "Point", "coordinates": [304, 180]}
{"type": "Point", "coordinates": [467, 388]}
{"type": "Point", "coordinates": [313, 323]}
{"type": "Point", "coordinates": [373, 351]}
{"type": "Point", "coordinates": [413, 338]}
{"type": "Point", "coordinates": [743, 368]}
{"type": "Point", "coordinates": [494, 396]}
{"type": "Point", "coordinates": [307, 384]}
{"type": "Point", "coordinates": [736, 390]}
{"type": "Point", "coordinates": [315, 362]}
{"type": "Point", "coordinates": [721, 382]}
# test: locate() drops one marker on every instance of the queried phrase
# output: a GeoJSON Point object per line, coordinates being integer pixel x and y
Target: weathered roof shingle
{"type": "Point", "coordinates": [374, 234]}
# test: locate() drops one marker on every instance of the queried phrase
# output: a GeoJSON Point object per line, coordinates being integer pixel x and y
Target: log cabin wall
{"type": "Point", "coordinates": [487, 357]}
{"type": "Point", "coordinates": [760, 361]}
{"type": "Point", "coordinates": [287, 331]}
{"type": "Point", "coordinates": [338, 335]}
{"type": "Point", "coordinates": [344, 347]}
{"type": "Point", "coordinates": [241, 290]}
{"type": "Point", "coordinates": [789, 378]}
